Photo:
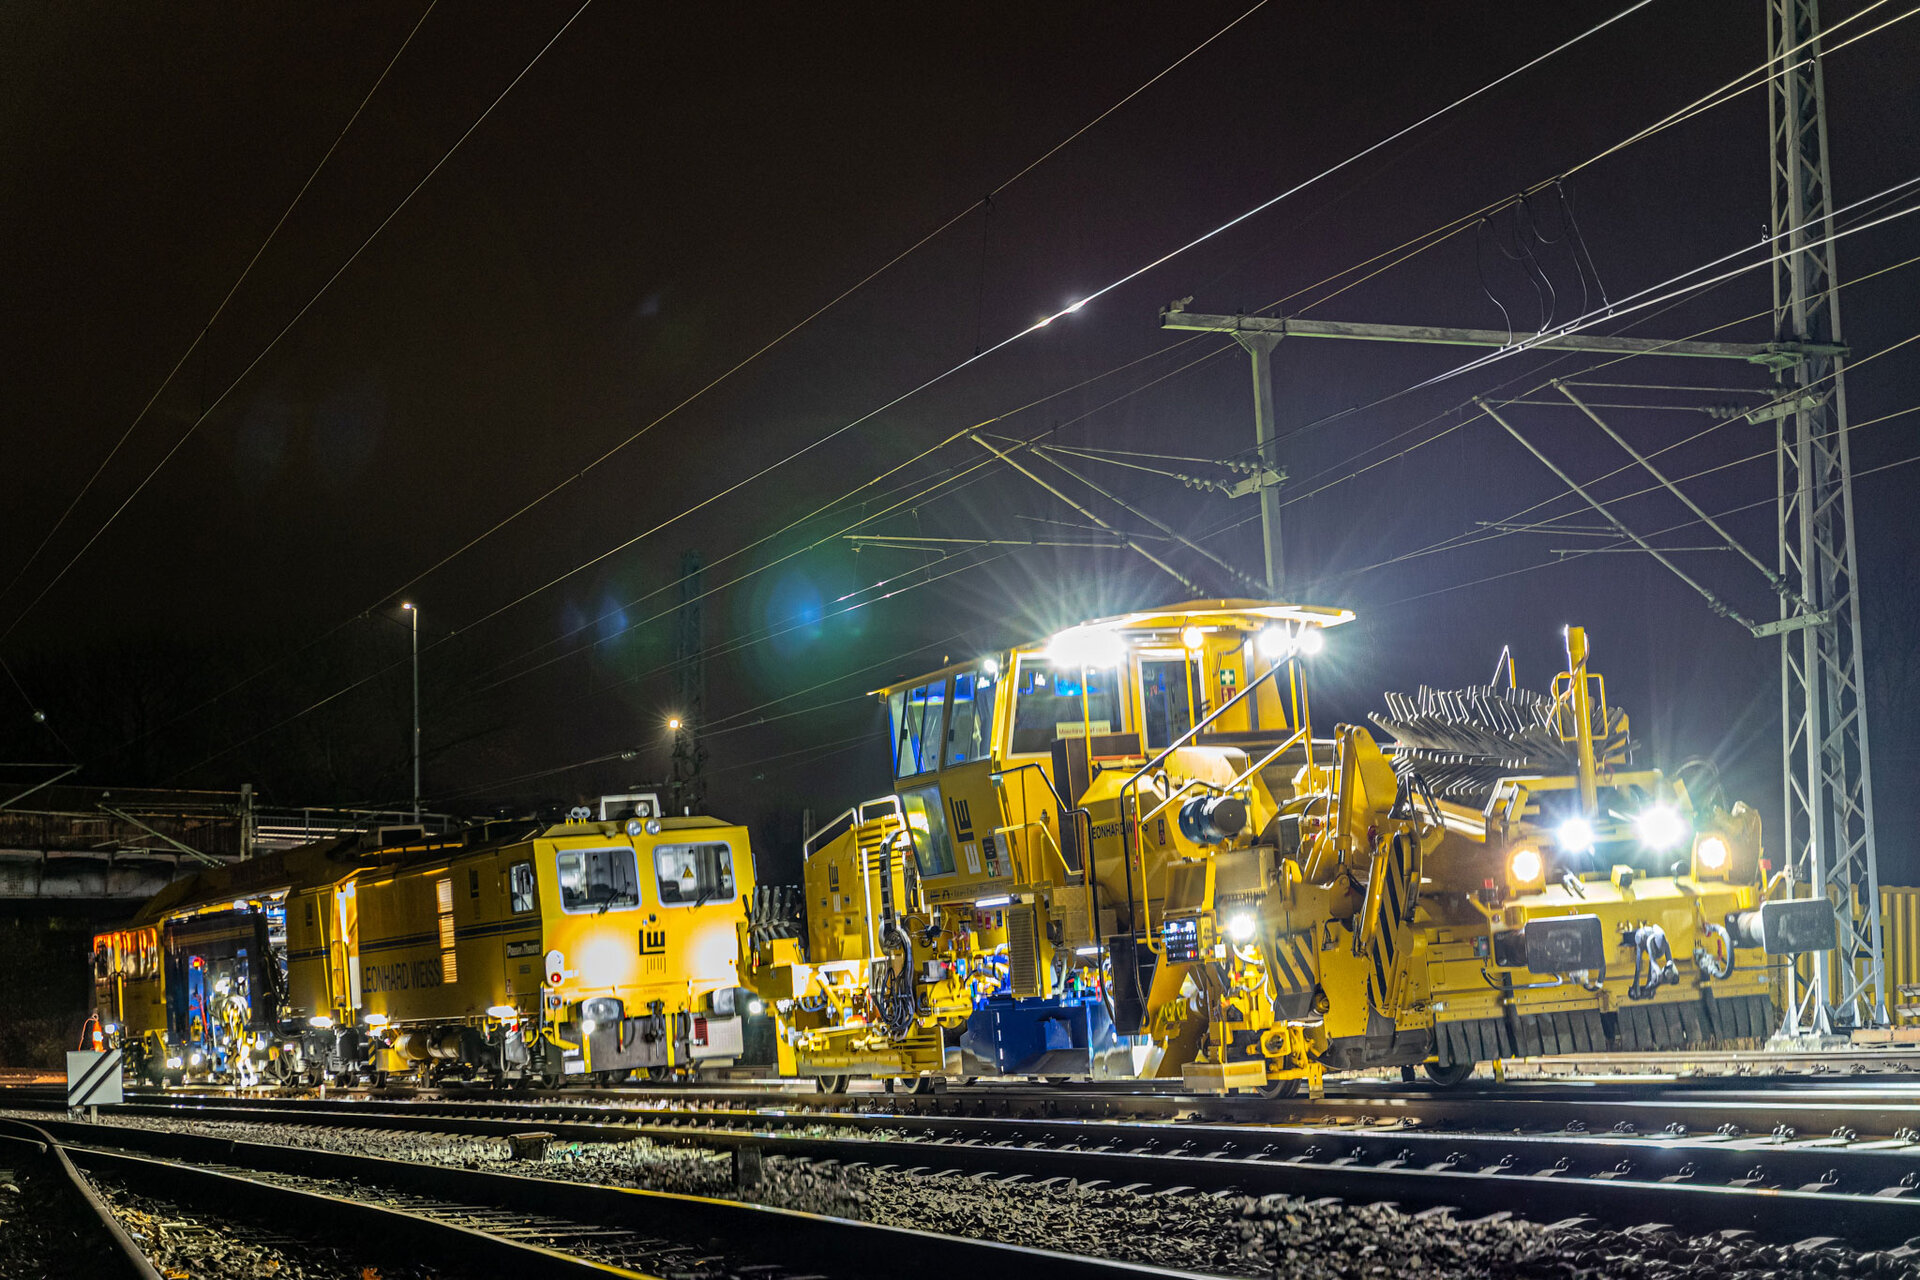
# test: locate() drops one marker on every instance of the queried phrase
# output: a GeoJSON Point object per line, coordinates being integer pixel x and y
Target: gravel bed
{"type": "Point", "coordinates": [42, 1236]}
{"type": "Point", "coordinates": [1274, 1236]}
{"type": "Point", "coordinates": [185, 1245]}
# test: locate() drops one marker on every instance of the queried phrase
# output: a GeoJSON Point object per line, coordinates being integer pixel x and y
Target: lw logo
{"type": "Point", "coordinates": [962, 820]}
{"type": "Point", "coordinates": [653, 942]}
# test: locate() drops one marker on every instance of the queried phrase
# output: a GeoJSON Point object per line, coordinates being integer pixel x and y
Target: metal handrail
{"type": "Point", "coordinates": [1130, 788]}
{"type": "Point", "coordinates": [853, 817]}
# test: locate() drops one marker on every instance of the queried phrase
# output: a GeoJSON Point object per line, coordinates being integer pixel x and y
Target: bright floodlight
{"type": "Point", "coordinates": [1575, 835]}
{"type": "Point", "coordinates": [1087, 647]}
{"type": "Point", "coordinates": [1660, 827]}
{"type": "Point", "coordinates": [673, 723]}
{"type": "Point", "coordinates": [1525, 866]}
{"type": "Point", "coordinates": [1240, 928]}
{"type": "Point", "coordinates": [1274, 642]}
{"type": "Point", "coordinates": [1192, 637]}
{"type": "Point", "coordinates": [1713, 853]}
{"type": "Point", "coordinates": [991, 666]}
{"type": "Point", "coordinates": [1311, 641]}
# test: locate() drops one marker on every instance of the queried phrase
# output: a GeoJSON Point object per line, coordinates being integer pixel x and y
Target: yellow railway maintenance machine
{"type": "Point", "coordinates": [513, 951]}
{"type": "Point", "coordinates": [1123, 852]}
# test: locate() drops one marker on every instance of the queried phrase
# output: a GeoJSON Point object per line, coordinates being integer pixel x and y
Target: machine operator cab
{"type": "Point", "coordinates": [986, 753]}
{"type": "Point", "coordinates": [1136, 745]}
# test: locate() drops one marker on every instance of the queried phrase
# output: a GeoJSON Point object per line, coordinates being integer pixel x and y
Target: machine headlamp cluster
{"type": "Point", "coordinates": [1240, 927]}
{"type": "Point", "coordinates": [1660, 827]}
{"type": "Point", "coordinates": [1713, 853]}
{"type": "Point", "coordinates": [1525, 866]}
{"type": "Point", "coordinates": [1575, 835]}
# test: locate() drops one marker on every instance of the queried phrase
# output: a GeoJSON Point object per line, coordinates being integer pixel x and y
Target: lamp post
{"type": "Point", "coordinates": [414, 615]}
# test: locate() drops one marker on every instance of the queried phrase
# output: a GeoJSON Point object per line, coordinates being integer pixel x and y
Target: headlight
{"type": "Point", "coordinates": [320, 1022]}
{"type": "Point", "coordinates": [504, 1012]}
{"type": "Point", "coordinates": [1240, 928]}
{"type": "Point", "coordinates": [173, 1062]}
{"type": "Point", "coordinates": [755, 1008]}
{"type": "Point", "coordinates": [195, 1060]}
{"type": "Point", "coordinates": [1660, 827]}
{"type": "Point", "coordinates": [1575, 835]}
{"type": "Point", "coordinates": [588, 1026]}
{"type": "Point", "coordinates": [1525, 866]}
{"type": "Point", "coordinates": [1713, 853]}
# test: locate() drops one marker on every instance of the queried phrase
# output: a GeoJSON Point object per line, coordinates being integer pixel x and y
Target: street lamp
{"type": "Point", "coordinates": [673, 723]}
{"type": "Point", "coordinates": [414, 614]}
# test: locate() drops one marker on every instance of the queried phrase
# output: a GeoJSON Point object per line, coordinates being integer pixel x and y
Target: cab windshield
{"type": "Point", "coordinates": [1050, 704]}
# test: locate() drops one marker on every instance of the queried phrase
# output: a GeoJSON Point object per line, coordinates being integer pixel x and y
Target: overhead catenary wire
{"type": "Point", "coordinates": [1040, 324]}
{"type": "Point", "coordinates": [220, 307]}
{"type": "Point", "coordinates": [819, 311]}
{"type": "Point", "coordinates": [1134, 274]}
{"type": "Point", "coordinates": [298, 315]}
{"type": "Point", "coordinates": [755, 355]}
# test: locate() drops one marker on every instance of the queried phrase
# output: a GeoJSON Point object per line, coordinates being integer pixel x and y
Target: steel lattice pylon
{"type": "Point", "coordinates": [1829, 831]}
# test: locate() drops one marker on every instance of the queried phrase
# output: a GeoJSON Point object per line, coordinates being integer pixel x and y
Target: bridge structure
{"type": "Point", "coordinates": [83, 843]}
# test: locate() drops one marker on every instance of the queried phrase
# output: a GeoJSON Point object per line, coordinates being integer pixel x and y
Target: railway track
{"type": "Point", "coordinates": [1798, 1110]}
{"type": "Point", "coordinates": [1774, 1183]}
{"type": "Point", "coordinates": [90, 1240]}
{"type": "Point", "coordinates": [486, 1223]}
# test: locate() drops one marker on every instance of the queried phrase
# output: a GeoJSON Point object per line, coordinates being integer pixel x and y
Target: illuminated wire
{"type": "Point", "coordinates": [287, 328]}
{"type": "Point", "coordinates": [835, 301]}
{"type": "Point", "coordinates": [200, 337]}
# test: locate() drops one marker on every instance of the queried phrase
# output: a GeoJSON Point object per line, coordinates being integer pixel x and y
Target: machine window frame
{"type": "Point", "coordinates": [611, 852]}
{"type": "Point", "coordinates": [930, 836]}
{"type": "Point", "coordinates": [1118, 695]}
{"type": "Point", "coordinates": [724, 866]}
{"type": "Point", "coordinates": [979, 716]}
{"type": "Point", "coordinates": [1176, 705]}
{"type": "Point", "coordinates": [915, 750]}
{"type": "Point", "coordinates": [523, 887]}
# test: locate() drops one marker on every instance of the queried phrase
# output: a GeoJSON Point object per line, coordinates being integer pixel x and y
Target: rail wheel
{"type": "Point", "coordinates": [928, 1084]}
{"type": "Point", "coordinates": [1450, 1075]}
{"type": "Point", "coordinates": [831, 1084]}
{"type": "Point", "coordinates": [1280, 1088]}
{"type": "Point", "coordinates": [660, 1073]}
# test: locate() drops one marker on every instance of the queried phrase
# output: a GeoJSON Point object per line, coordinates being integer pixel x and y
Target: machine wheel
{"type": "Point", "coordinates": [1449, 1076]}
{"type": "Point", "coordinates": [927, 1084]}
{"type": "Point", "coordinates": [1280, 1088]}
{"type": "Point", "coordinates": [1057, 1081]}
{"type": "Point", "coordinates": [831, 1084]}
{"type": "Point", "coordinates": [660, 1073]}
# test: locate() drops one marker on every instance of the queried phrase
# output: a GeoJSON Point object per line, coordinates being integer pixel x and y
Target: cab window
{"type": "Point", "coordinates": [598, 880]}
{"type": "Point", "coordinates": [970, 722]}
{"type": "Point", "coordinates": [521, 894]}
{"type": "Point", "coordinates": [927, 820]}
{"type": "Point", "coordinates": [918, 714]}
{"type": "Point", "coordinates": [694, 874]}
{"type": "Point", "coordinates": [1049, 705]}
{"type": "Point", "coordinates": [1164, 692]}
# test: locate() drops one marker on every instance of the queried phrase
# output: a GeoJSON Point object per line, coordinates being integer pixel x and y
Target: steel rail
{"type": "Point", "coordinates": [1806, 1107]}
{"type": "Point", "coordinates": [120, 1255]}
{"type": "Point", "coordinates": [790, 1240]}
{"type": "Point", "coordinates": [1865, 1192]}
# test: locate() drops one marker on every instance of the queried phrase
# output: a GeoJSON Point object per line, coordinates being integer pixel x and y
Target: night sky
{"type": "Point", "coordinates": [670, 188]}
